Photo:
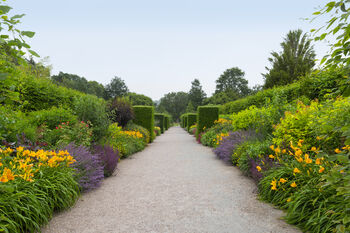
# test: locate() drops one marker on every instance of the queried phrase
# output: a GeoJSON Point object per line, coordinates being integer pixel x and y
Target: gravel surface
{"type": "Point", "coordinates": [174, 185]}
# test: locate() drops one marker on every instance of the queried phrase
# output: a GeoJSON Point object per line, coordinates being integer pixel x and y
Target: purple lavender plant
{"type": "Point", "coordinates": [229, 144]}
{"type": "Point", "coordinates": [89, 172]}
{"type": "Point", "coordinates": [265, 164]}
{"type": "Point", "coordinates": [108, 157]}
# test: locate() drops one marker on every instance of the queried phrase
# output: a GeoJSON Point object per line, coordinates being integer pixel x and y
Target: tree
{"type": "Point", "coordinates": [196, 95]}
{"type": "Point", "coordinates": [138, 99]}
{"type": "Point", "coordinates": [232, 80]}
{"type": "Point", "coordinates": [174, 103]}
{"type": "Point", "coordinates": [116, 88]}
{"type": "Point", "coordinates": [190, 107]}
{"type": "Point", "coordinates": [337, 25]}
{"type": "Point", "coordinates": [222, 97]}
{"type": "Point", "coordinates": [296, 59]}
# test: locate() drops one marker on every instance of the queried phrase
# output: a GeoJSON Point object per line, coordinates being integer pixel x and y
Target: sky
{"type": "Point", "coordinates": [161, 46]}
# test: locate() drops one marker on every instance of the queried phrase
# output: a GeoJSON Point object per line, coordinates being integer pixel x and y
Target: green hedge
{"type": "Point", "coordinates": [144, 116]}
{"type": "Point", "coordinates": [191, 120]}
{"type": "Point", "coordinates": [160, 118]}
{"type": "Point", "coordinates": [206, 115]}
{"type": "Point", "coordinates": [167, 122]}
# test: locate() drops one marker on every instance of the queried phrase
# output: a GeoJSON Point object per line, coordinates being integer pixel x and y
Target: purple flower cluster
{"type": "Point", "coordinates": [229, 144]}
{"type": "Point", "coordinates": [108, 157]}
{"type": "Point", "coordinates": [89, 171]}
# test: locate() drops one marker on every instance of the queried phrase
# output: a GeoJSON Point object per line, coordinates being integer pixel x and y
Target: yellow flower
{"type": "Point", "coordinates": [337, 151]}
{"type": "Point", "coordinates": [284, 151]}
{"type": "Point", "coordinates": [318, 138]}
{"type": "Point", "coordinates": [299, 159]}
{"type": "Point", "coordinates": [318, 161]}
{"type": "Point", "coordinates": [313, 148]}
{"type": "Point", "coordinates": [19, 149]}
{"type": "Point", "coordinates": [272, 147]}
{"type": "Point", "coordinates": [273, 188]}
{"type": "Point", "coordinates": [296, 170]}
{"type": "Point", "coordinates": [289, 199]}
{"type": "Point", "coordinates": [258, 168]}
{"type": "Point", "coordinates": [273, 182]}
{"type": "Point", "coordinates": [307, 159]}
{"type": "Point", "coordinates": [278, 150]}
{"type": "Point", "coordinates": [293, 185]}
{"type": "Point", "coordinates": [283, 180]}
{"type": "Point", "coordinates": [321, 169]}
{"type": "Point", "coordinates": [298, 152]}
{"type": "Point", "coordinates": [0, 164]}
{"type": "Point", "coordinates": [271, 156]}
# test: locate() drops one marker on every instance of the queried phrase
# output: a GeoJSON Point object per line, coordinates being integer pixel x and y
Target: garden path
{"type": "Point", "coordinates": [174, 185]}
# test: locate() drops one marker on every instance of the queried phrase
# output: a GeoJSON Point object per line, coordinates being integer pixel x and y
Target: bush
{"type": "Point", "coordinates": [13, 123]}
{"type": "Point", "coordinates": [167, 122]}
{"type": "Point", "coordinates": [191, 120]}
{"type": "Point", "coordinates": [126, 142]}
{"type": "Point", "coordinates": [91, 109]}
{"type": "Point", "coordinates": [133, 127]}
{"type": "Point", "coordinates": [109, 158]}
{"type": "Point", "coordinates": [213, 136]}
{"type": "Point", "coordinates": [229, 143]}
{"type": "Point", "coordinates": [29, 196]}
{"type": "Point", "coordinates": [206, 117]}
{"type": "Point", "coordinates": [157, 131]}
{"type": "Point", "coordinates": [121, 111]}
{"type": "Point", "coordinates": [159, 119]}
{"type": "Point", "coordinates": [144, 116]}
{"type": "Point", "coordinates": [52, 117]}
{"type": "Point", "coordinates": [89, 171]}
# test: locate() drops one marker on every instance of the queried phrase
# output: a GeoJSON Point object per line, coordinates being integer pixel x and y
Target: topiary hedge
{"type": "Point", "coordinates": [191, 120]}
{"type": "Point", "coordinates": [206, 115]}
{"type": "Point", "coordinates": [160, 119]}
{"type": "Point", "coordinates": [167, 122]}
{"type": "Point", "coordinates": [144, 116]}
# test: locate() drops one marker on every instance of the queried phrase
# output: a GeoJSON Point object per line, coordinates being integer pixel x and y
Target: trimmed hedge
{"type": "Point", "coordinates": [160, 117]}
{"type": "Point", "coordinates": [206, 115]}
{"type": "Point", "coordinates": [144, 116]}
{"type": "Point", "coordinates": [167, 122]}
{"type": "Point", "coordinates": [191, 120]}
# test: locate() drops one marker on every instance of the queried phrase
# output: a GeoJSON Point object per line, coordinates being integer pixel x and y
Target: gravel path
{"type": "Point", "coordinates": [174, 185]}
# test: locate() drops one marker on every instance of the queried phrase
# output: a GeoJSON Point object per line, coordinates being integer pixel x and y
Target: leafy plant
{"type": "Point", "coordinates": [121, 111]}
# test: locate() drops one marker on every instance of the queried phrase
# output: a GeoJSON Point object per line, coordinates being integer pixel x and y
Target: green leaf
{"type": "Point", "coordinates": [342, 158]}
{"type": "Point", "coordinates": [33, 53]}
{"type": "Point", "coordinates": [3, 76]}
{"type": "Point", "coordinates": [28, 33]}
{"type": "Point", "coordinates": [317, 13]}
{"type": "Point", "coordinates": [17, 16]}
{"type": "Point", "coordinates": [342, 7]}
{"type": "Point", "coordinates": [5, 9]}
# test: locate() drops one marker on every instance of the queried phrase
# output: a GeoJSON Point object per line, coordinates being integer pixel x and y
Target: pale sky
{"type": "Point", "coordinates": [160, 46]}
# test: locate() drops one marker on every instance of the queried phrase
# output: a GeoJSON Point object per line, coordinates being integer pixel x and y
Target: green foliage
{"type": "Point", "coordinates": [196, 95]}
{"type": "Point", "coordinates": [174, 103]}
{"type": "Point", "coordinates": [159, 120]}
{"type": "Point", "coordinates": [79, 83]}
{"type": "Point", "coordinates": [191, 120]}
{"type": "Point", "coordinates": [116, 88]}
{"type": "Point", "coordinates": [125, 143]}
{"type": "Point", "coordinates": [296, 60]}
{"type": "Point", "coordinates": [26, 206]}
{"type": "Point", "coordinates": [51, 117]}
{"type": "Point", "coordinates": [337, 25]}
{"type": "Point", "coordinates": [233, 80]}
{"type": "Point", "coordinates": [91, 109]}
{"type": "Point", "coordinates": [13, 123]}
{"type": "Point", "coordinates": [144, 116]}
{"type": "Point", "coordinates": [167, 122]}
{"type": "Point", "coordinates": [133, 127]}
{"type": "Point", "coordinates": [222, 97]}
{"type": "Point", "coordinates": [138, 99]}
{"type": "Point", "coordinates": [206, 117]}
{"type": "Point", "coordinates": [213, 135]}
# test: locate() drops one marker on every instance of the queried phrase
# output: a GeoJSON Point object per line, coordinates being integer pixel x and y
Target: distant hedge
{"type": "Point", "coordinates": [206, 115]}
{"type": "Point", "coordinates": [318, 85]}
{"type": "Point", "coordinates": [144, 116]}
{"type": "Point", "coordinates": [191, 120]}
{"type": "Point", "coordinates": [167, 122]}
{"type": "Point", "coordinates": [160, 117]}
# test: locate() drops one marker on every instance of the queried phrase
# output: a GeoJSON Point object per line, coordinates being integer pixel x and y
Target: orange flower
{"type": "Point", "coordinates": [337, 151]}
{"type": "Point", "coordinates": [321, 169]}
{"type": "Point", "coordinates": [313, 148]}
{"type": "Point", "coordinates": [271, 156]}
{"type": "Point", "coordinates": [318, 161]}
{"type": "Point", "coordinates": [258, 168]}
{"type": "Point", "coordinates": [293, 185]}
{"type": "Point", "coordinates": [283, 180]}
{"type": "Point", "coordinates": [298, 152]}
{"type": "Point", "coordinates": [296, 170]}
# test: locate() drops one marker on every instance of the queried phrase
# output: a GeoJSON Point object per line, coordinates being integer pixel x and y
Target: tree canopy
{"type": "Point", "coordinates": [196, 95]}
{"type": "Point", "coordinates": [175, 103]}
{"type": "Point", "coordinates": [139, 99]}
{"type": "Point", "coordinates": [232, 80]}
{"type": "Point", "coordinates": [296, 59]}
{"type": "Point", "coordinates": [116, 88]}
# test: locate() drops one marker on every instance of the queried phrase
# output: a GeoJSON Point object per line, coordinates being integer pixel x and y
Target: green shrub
{"type": "Point", "coordinates": [159, 119]}
{"type": "Point", "coordinates": [212, 136]}
{"type": "Point", "coordinates": [13, 123]}
{"type": "Point", "coordinates": [52, 117]}
{"type": "Point", "coordinates": [133, 127]}
{"type": "Point", "coordinates": [205, 117]}
{"type": "Point", "coordinates": [144, 116]}
{"type": "Point", "coordinates": [167, 122]}
{"type": "Point", "coordinates": [191, 120]}
{"type": "Point", "coordinates": [92, 109]}
{"type": "Point", "coordinates": [126, 142]}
